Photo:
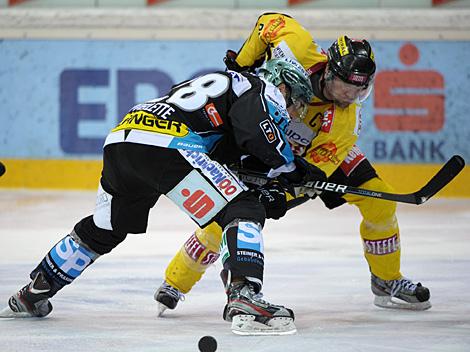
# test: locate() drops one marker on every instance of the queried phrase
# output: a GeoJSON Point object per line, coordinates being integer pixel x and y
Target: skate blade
{"type": "Point", "coordinates": [7, 313]}
{"type": "Point", "coordinates": [396, 303]}
{"type": "Point", "coordinates": [161, 308]}
{"type": "Point", "coordinates": [246, 325]}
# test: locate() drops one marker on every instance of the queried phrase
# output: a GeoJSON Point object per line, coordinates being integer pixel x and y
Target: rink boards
{"type": "Point", "coordinates": [58, 108]}
{"type": "Point", "coordinates": [84, 175]}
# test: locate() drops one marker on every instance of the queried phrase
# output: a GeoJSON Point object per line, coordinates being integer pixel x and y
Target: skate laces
{"type": "Point", "coordinates": [173, 292]}
{"type": "Point", "coordinates": [256, 296]}
{"type": "Point", "coordinates": [403, 283]}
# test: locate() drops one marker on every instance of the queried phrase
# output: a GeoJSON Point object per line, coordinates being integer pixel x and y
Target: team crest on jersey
{"type": "Point", "coordinates": [325, 153]}
{"type": "Point", "coordinates": [268, 130]}
{"type": "Point", "coordinates": [273, 27]}
{"type": "Point", "coordinates": [327, 119]}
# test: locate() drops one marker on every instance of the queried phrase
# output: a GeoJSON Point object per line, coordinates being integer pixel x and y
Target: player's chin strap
{"type": "Point", "coordinates": [445, 175]}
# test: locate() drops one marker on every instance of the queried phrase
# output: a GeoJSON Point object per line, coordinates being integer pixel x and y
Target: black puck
{"type": "Point", "coordinates": [2, 169]}
{"type": "Point", "coordinates": [207, 344]}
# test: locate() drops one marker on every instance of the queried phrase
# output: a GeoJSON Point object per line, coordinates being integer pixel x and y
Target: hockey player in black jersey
{"type": "Point", "coordinates": [178, 146]}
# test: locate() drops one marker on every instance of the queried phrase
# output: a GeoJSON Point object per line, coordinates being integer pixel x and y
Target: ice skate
{"type": "Point", "coordinates": [251, 315]}
{"type": "Point", "coordinates": [31, 301]}
{"type": "Point", "coordinates": [167, 297]}
{"type": "Point", "coordinates": [400, 294]}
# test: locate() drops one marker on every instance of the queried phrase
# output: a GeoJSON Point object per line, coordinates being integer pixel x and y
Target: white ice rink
{"type": "Point", "coordinates": [314, 264]}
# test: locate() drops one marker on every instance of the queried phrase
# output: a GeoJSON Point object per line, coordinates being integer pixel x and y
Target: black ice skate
{"type": "Point", "coordinates": [251, 315]}
{"type": "Point", "coordinates": [400, 294]}
{"type": "Point", "coordinates": [167, 297]}
{"type": "Point", "coordinates": [31, 301]}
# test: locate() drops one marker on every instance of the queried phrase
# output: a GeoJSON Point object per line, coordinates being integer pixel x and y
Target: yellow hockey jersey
{"type": "Point", "coordinates": [328, 133]}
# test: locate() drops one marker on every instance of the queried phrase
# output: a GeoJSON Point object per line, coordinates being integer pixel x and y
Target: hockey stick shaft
{"type": "Point", "coordinates": [445, 175]}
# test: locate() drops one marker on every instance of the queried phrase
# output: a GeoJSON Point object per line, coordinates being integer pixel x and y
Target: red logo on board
{"type": "Point", "coordinates": [409, 100]}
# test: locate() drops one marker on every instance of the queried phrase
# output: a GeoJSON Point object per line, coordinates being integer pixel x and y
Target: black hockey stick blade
{"type": "Point", "coordinates": [446, 174]}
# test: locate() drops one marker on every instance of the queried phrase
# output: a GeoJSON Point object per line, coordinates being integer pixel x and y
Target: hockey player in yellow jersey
{"type": "Point", "coordinates": [342, 78]}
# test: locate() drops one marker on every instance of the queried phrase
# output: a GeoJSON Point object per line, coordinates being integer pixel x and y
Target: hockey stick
{"type": "Point", "coordinates": [446, 174]}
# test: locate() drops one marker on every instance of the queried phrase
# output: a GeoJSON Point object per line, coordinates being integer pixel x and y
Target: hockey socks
{"type": "Point", "coordinates": [65, 262]}
{"type": "Point", "coordinates": [242, 251]}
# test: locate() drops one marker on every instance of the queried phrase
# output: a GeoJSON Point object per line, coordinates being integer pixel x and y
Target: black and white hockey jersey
{"type": "Point", "coordinates": [223, 114]}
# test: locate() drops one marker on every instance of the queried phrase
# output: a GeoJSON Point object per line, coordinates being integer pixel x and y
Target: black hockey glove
{"type": "Point", "coordinates": [230, 61]}
{"type": "Point", "coordinates": [304, 172]}
{"type": "Point", "coordinates": [273, 198]}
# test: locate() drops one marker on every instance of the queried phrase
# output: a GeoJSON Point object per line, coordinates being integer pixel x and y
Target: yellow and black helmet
{"type": "Point", "coordinates": [352, 61]}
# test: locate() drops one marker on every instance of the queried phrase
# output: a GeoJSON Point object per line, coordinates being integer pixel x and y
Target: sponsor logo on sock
{"type": "Point", "coordinates": [195, 249]}
{"type": "Point", "coordinates": [382, 246]}
{"type": "Point", "coordinates": [70, 257]}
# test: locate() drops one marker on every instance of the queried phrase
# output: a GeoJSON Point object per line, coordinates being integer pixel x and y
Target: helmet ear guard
{"type": "Point", "coordinates": [352, 61]}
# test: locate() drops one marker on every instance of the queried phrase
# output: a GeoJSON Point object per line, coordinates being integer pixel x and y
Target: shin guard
{"type": "Point", "coordinates": [242, 251]}
{"type": "Point", "coordinates": [65, 262]}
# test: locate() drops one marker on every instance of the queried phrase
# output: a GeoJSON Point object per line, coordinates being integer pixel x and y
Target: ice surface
{"type": "Point", "coordinates": [314, 264]}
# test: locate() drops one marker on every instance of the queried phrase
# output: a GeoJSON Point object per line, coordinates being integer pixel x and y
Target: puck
{"type": "Point", "coordinates": [2, 169]}
{"type": "Point", "coordinates": [207, 344]}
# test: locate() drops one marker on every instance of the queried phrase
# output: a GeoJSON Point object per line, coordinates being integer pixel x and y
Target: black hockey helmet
{"type": "Point", "coordinates": [352, 61]}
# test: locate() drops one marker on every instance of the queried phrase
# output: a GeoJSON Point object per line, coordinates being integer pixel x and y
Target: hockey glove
{"type": "Point", "coordinates": [231, 63]}
{"type": "Point", "coordinates": [294, 181]}
{"type": "Point", "coordinates": [273, 198]}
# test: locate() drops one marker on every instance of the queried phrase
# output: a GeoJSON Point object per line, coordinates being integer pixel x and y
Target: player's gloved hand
{"type": "Point", "coordinates": [273, 198]}
{"type": "Point", "coordinates": [230, 61]}
{"type": "Point", "coordinates": [295, 181]}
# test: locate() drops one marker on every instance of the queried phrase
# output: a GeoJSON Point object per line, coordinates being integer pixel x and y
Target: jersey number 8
{"type": "Point", "coordinates": [194, 95]}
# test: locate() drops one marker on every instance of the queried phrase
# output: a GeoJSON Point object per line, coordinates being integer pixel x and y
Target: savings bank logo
{"type": "Point", "coordinates": [325, 153]}
{"type": "Point", "coordinates": [198, 203]}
